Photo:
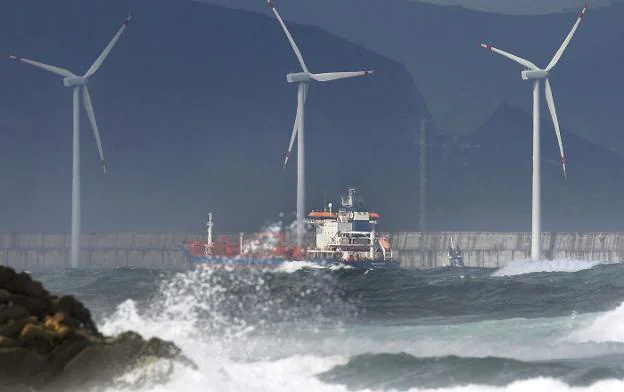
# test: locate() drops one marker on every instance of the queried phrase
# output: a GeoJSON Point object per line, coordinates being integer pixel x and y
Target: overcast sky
{"type": "Point", "coordinates": [522, 6]}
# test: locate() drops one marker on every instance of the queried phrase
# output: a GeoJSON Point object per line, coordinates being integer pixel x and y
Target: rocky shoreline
{"type": "Point", "coordinates": [50, 343]}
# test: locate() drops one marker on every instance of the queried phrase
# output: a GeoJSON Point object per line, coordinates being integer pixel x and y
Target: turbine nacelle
{"type": "Point", "coordinates": [534, 74]}
{"type": "Point", "coordinates": [299, 77]}
{"type": "Point", "coordinates": [75, 81]}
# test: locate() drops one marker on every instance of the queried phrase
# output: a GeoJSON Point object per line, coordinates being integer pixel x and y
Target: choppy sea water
{"type": "Point", "coordinates": [528, 327]}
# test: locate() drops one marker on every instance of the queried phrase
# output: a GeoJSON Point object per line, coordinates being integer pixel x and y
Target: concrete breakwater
{"type": "Point", "coordinates": [144, 250]}
{"type": "Point", "coordinates": [98, 250]}
{"type": "Point", "coordinates": [491, 250]}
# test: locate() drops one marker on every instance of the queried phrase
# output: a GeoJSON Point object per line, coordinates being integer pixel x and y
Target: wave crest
{"type": "Point", "coordinates": [521, 267]}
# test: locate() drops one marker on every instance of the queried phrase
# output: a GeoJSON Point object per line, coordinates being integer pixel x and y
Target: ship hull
{"type": "Point", "coordinates": [216, 262]}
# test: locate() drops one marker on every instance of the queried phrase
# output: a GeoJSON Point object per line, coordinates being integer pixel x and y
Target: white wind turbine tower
{"type": "Point", "coordinates": [79, 83]}
{"type": "Point", "coordinates": [304, 79]}
{"type": "Point", "coordinates": [532, 72]}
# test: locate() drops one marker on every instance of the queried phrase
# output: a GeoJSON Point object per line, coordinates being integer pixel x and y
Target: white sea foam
{"type": "Point", "coordinates": [535, 385]}
{"type": "Point", "coordinates": [293, 266]}
{"type": "Point", "coordinates": [521, 267]}
{"type": "Point", "coordinates": [606, 327]}
{"type": "Point", "coordinates": [232, 356]}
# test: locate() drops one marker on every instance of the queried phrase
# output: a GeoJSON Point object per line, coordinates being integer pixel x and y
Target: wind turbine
{"type": "Point", "coordinates": [532, 72]}
{"type": "Point", "coordinates": [303, 79]}
{"type": "Point", "coordinates": [79, 84]}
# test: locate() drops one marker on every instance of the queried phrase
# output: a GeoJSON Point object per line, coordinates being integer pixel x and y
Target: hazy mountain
{"type": "Point", "coordinates": [195, 115]}
{"type": "Point", "coordinates": [483, 181]}
{"type": "Point", "coordinates": [464, 84]}
{"type": "Point", "coordinates": [526, 7]}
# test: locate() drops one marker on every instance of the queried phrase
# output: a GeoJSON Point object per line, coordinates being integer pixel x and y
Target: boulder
{"type": "Point", "coordinates": [50, 343]}
{"type": "Point", "coordinates": [22, 284]}
{"type": "Point", "coordinates": [6, 342]}
{"type": "Point", "coordinates": [6, 274]}
{"type": "Point", "coordinates": [12, 312]}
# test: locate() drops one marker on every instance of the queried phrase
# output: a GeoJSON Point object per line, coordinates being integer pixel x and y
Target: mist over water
{"type": "Point", "coordinates": [346, 330]}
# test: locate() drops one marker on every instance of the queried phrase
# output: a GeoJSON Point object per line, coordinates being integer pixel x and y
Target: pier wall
{"type": "Point", "coordinates": [98, 250]}
{"type": "Point", "coordinates": [480, 249]}
{"type": "Point", "coordinates": [491, 250]}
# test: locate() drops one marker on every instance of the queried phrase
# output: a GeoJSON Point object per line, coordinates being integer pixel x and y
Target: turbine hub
{"type": "Point", "coordinates": [77, 81]}
{"type": "Point", "coordinates": [299, 77]}
{"type": "Point", "coordinates": [540, 74]}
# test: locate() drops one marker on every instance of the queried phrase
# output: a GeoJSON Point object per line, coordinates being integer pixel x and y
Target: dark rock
{"type": "Point", "coordinates": [93, 365]}
{"type": "Point", "coordinates": [5, 296]}
{"type": "Point", "coordinates": [75, 310]}
{"type": "Point", "coordinates": [57, 324]}
{"type": "Point", "coordinates": [13, 328]}
{"type": "Point", "coordinates": [39, 337]}
{"type": "Point", "coordinates": [22, 283]}
{"type": "Point", "coordinates": [38, 307]}
{"type": "Point", "coordinates": [51, 344]}
{"type": "Point", "coordinates": [18, 364]}
{"type": "Point", "coordinates": [12, 312]}
{"type": "Point", "coordinates": [56, 360]}
{"type": "Point", "coordinates": [6, 342]}
{"type": "Point", "coordinates": [6, 274]}
{"type": "Point", "coordinates": [159, 348]}
{"type": "Point", "coordinates": [97, 364]}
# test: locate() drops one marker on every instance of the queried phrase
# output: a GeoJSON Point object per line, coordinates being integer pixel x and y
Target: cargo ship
{"type": "Point", "coordinates": [346, 238]}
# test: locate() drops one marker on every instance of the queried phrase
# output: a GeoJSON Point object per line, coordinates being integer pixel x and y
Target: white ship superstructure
{"type": "Point", "coordinates": [348, 234]}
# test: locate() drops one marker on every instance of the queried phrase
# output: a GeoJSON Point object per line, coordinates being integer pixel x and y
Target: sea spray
{"type": "Point", "coordinates": [228, 306]}
{"type": "Point", "coordinates": [606, 327]}
{"type": "Point", "coordinates": [277, 341]}
{"type": "Point", "coordinates": [521, 267]}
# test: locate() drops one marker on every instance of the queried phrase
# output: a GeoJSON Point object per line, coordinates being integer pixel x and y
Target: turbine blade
{"type": "Point", "coordinates": [327, 77]}
{"type": "Point", "coordinates": [290, 38]}
{"type": "Point", "coordinates": [296, 126]}
{"type": "Point", "coordinates": [98, 62]}
{"type": "Point", "coordinates": [565, 43]}
{"type": "Point", "coordinates": [86, 97]}
{"type": "Point", "coordinates": [519, 60]}
{"type": "Point", "coordinates": [551, 107]}
{"type": "Point", "coordinates": [292, 139]}
{"type": "Point", "coordinates": [59, 71]}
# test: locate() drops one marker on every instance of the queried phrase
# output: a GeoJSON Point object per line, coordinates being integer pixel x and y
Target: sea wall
{"type": "Point", "coordinates": [484, 249]}
{"type": "Point", "coordinates": [98, 250]}
{"type": "Point", "coordinates": [141, 250]}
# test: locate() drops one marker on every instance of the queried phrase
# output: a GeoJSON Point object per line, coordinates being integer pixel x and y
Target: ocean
{"type": "Point", "coordinates": [530, 326]}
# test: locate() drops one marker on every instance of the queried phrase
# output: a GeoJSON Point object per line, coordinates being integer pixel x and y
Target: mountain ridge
{"type": "Point", "coordinates": [194, 117]}
{"type": "Point", "coordinates": [463, 84]}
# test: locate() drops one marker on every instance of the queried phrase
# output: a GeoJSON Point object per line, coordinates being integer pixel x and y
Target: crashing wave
{"type": "Point", "coordinates": [521, 267]}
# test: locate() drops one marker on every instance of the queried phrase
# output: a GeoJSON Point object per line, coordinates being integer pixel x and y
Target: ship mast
{"type": "Point", "coordinates": [241, 235]}
{"type": "Point", "coordinates": [209, 225]}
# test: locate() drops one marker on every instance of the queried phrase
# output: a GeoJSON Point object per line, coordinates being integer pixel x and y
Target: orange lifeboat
{"type": "Point", "coordinates": [321, 215]}
{"type": "Point", "coordinates": [373, 215]}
